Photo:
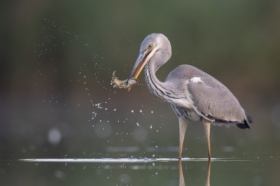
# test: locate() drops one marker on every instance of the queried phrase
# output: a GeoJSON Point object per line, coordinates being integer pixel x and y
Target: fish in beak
{"type": "Point", "coordinates": [141, 61]}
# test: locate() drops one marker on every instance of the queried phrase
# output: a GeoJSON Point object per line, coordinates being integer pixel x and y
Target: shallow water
{"type": "Point", "coordinates": [142, 171]}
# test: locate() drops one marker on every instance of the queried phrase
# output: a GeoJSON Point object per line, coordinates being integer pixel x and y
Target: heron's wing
{"type": "Point", "coordinates": [216, 103]}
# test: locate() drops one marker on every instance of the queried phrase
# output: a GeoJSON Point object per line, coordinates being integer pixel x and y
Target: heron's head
{"type": "Point", "coordinates": [154, 46]}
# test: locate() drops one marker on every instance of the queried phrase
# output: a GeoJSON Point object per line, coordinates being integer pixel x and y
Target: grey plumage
{"type": "Point", "coordinates": [210, 97]}
{"type": "Point", "coordinates": [193, 94]}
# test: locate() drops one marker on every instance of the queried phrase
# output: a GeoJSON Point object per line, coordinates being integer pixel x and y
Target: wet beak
{"type": "Point", "coordinates": [141, 61]}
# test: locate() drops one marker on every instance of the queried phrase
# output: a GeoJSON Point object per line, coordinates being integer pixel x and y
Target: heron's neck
{"type": "Point", "coordinates": [156, 87]}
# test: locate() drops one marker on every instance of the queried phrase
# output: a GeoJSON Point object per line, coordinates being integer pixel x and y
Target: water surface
{"type": "Point", "coordinates": [141, 171]}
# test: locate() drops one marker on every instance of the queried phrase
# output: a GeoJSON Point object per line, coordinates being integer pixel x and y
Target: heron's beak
{"type": "Point", "coordinates": [141, 61]}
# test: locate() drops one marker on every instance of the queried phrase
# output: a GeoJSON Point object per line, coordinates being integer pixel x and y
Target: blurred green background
{"type": "Point", "coordinates": [57, 58]}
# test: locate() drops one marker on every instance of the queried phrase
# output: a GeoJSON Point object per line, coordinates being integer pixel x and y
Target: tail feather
{"type": "Point", "coordinates": [249, 118]}
{"type": "Point", "coordinates": [246, 122]}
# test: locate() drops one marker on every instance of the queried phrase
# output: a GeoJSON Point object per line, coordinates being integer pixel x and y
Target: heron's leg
{"type": "Point", "coordinates": [181, 174]}
{"type": "Point", "coordinates": [182, 131]}
{"type": "Point", "coordinates": [207, 126]}
{"type": "Point", "coordinates": [208, 174]}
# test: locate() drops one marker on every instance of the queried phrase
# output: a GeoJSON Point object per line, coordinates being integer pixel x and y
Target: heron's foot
{"type": "Point", "coordinates": [125, 84]}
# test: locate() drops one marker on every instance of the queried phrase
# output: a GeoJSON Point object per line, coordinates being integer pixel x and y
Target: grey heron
{"type": "Point", "coordinates": [193, 94]}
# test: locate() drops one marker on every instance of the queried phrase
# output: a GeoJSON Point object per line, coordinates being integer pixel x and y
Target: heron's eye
{"type": "Point", "coordinates": [150, 46]}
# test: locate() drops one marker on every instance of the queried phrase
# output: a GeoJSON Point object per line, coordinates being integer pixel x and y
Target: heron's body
{"type": "Point", "coordinates": [196, 96]}
{"type": "Point", "coordinates": [193, 94]}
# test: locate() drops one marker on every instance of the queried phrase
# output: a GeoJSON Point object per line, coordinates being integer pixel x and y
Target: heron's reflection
{"type": "Point", "coordinates": [182, 179]}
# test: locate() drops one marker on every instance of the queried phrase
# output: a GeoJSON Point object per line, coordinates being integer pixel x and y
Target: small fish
{"type": "Point", "coordinates": [125, 84]}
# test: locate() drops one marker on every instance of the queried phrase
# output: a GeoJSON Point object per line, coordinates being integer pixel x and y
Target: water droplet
{"type": "Point", "coordinates": [54, 136]}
